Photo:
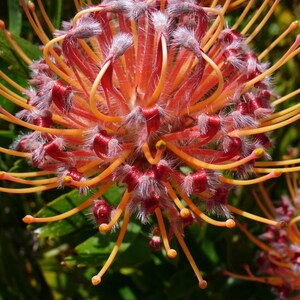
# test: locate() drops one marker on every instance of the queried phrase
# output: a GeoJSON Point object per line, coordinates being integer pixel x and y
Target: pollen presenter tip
{"type": "Point", "coordinates": [96, 280]}
{"type": "Point", "coordinates": [28, 219]}
{"type": "Point", "coordinates": [277, 173]}
{"type": "Point", "coordinates": [171, 253]}
{"type": "Point", "coordinates": [104, 227]}
{"type": "Point", "coordinates": [2, 25]}
{"type": "Point", "coordinates": [160, 145]}
{"type": "Point", "coordinates": [259, 152]}
{"type": "Point", "coordinates": [67, 180]}
{"type": "Point", "coordinates": [184, 213]}
{"type": "Point", "coordinates": [230, 223]}
{"type": "Point", "coordinates": [203, 284]}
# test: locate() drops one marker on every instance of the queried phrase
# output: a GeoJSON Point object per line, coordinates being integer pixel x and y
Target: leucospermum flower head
{"type": "Point", "coordinates": [160, 96]}
{"type": "Point", "coordinates": [278, 260]}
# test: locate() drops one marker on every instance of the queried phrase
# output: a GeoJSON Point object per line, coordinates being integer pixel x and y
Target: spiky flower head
{"type": "Point", "coordinates": [278, 258]}
{"type": "Point", "coordinates": [161, 96]}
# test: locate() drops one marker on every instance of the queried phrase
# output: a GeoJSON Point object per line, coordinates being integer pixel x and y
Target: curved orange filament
{"type": "Point", "coordinates": [267, 198]}
{"type": "Point", "coordinates": [17, 97]}
{"type": "Point", "coordinates": [30, 219]}
{"type": "Point", "coordinates": [45, 16]}
{"type": "Point", "coordinates": [35, 27]}
{"type": "Point", "coordinates": [101, 176]}
{"type": "Point", "coordinates": [286, 97]}
{"type": "Point", "coordinates": [94, 89]}
{"type": "Point", "coordinates": [171, 253]}
{"type": "Point", "coordinates": [31, 174]}
{"type": "Point", "coordinates": [90, 166]}
{"type": "Point", "coordinates": [279, 170]}
{"type": "Point", "coordinates": [280, 263]}
{"type": "Point", "coordinates": [258, 242]}
{"type": "Point", "coordinates": [215, 95]}
{"type": "Point", "coordinates": [84, 12]}
{"type": "Point", "coordinates": [262, 206]}
{"type": "Point", "coordinates": [64, 72]}
{"type": "Point", "coordinates": [202, 282]}
{"type": "Point", "coordinates": [173, 195]}
{"type": "Point", "coordinates": [278, 116]}
{"type": "Point", "coordinates": [229, 223]}
{"type": "Point", "coordinates": [29, 190]}
{"type": "Point", "coordinates": [243, 15]}
{"type": "Point", "coordinates": [277, 281]}
{"type": "Point", "coordinates": [212, 34]}
{"type": "Point", "coordinates": [14, 44]}
{"type": "Point", "coordinates": [292, 184]}
{"type": "Point", "coordinates": [196, 163]}
{"type": "Point", "coordinates": [272, 174]}
{"type": "Point", "coordinates": [15, 153]}
{"type": "Point", "coordinates": [160, 146]}
{"type": "Point", "coordinates": [12, 83]}
{"type": "Point", "coordinates": [292, 235]}
{"type": "Point", "coordinates": [282, 116]}
{"type": "Point", "coordinates": [292, 27]}
{"type": "Point", "coordinates": [10, 118]}
{"type": "Point", "coordinates": [284, 162]}
{"type": "Point", "coordinates": [254, 17]}
{"type": "Point", "coordinates": [6, 176]}
{"type": "Point", "coordinates": [97, 278]}
{"type": "Point", "coordinates": [31, 6]}
{"type": "Point", "coordinates": [121, 207]}
{"type": "Point", "coordinates": [253, 217]}
{"type": "Point", "coordinates": [14, 98]}
{"type": "Point", "coordinates": [77, 5]}
{"type": "Point", "coordinates": [163, 73]}
{"type": "Point", "coordinates": [262, 23]}
{"type": "Point", "coordinates": [246, 132]}
{"type": "Point", "coordinates": [293, 51]}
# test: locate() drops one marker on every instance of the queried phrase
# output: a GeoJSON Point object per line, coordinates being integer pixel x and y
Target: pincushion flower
{"type": "Point", "coordinates": [161, 96]}
{"type": "Point", "coordinates": [278, 260]}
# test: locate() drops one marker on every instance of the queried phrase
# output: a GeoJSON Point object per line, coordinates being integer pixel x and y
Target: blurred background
{"type": "Point", "coordinates": [56, 261]}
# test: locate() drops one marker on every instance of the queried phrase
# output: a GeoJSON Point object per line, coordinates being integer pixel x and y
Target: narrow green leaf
{"type": "Point", "coordinates": [208, 246]}
{"type": "Point", "coordinates": [58, 13]}
{"type": "Point", "coordinates": [15, 16]}
{"type": "Point", "coordinates": [10, 60]}
{"type": "Point", "coordinates": [7, 134]}
{"type": "Point", "coordinates": [67, 226]}
{"type": "Point", "coordinates": [114, 194]}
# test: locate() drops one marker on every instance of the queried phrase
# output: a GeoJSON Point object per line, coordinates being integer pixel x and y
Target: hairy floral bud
{"type": "Point", "coordinates": [102, 211]}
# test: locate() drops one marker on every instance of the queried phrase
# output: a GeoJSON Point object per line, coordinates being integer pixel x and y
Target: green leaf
{"type": "Point", "coordinates": [15, 16]}
{"type": "Point", "coordinates": [67, 226]}
{"type": "Point", "coordinates": [292, 136]}
{"type": "Point", "coordinates": [96, 249]}
{"type": "Point", "coordinates": [208, 246]}
{"type": "Point", "coordinates": [20, 165]}
{"type": "Point", "coordinates": [181, 285]}
{"type": "Point", "coordinates": [8, 134]}
{"type": "Point", "coordinates": [103, 243]}
{"type": "Point", "coordinates": [114, 194]}
{"type": "Point", "coordinates": [138, 253]}
{"type": "Point", "coordinates": [98, 244]}
{"type": "Point", "coordinates": [11, 61]}
{"type": "Point", "coordinates": [58, 12]}
{"type": "Point", "coordinates": [84, 260]}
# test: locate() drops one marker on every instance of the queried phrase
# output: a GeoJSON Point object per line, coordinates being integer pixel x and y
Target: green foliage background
{"type": "Point", "coordinates": [56, 261]}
